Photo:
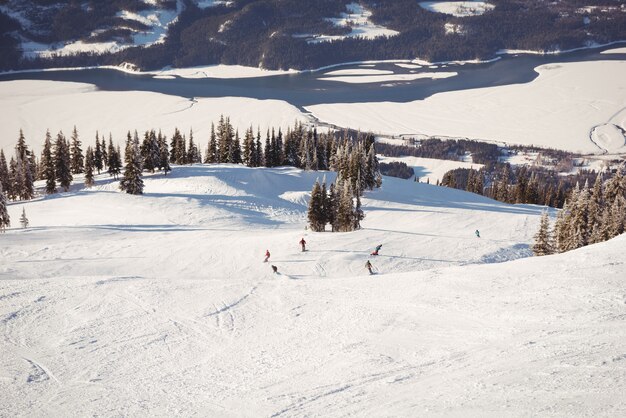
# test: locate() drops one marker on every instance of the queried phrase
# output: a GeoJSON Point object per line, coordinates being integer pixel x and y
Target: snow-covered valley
{"type": "Point", "coordinates": [112, 304]}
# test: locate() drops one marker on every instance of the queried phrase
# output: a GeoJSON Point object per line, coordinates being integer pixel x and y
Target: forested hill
{"type": "Point", "coordinates": [298, 34]}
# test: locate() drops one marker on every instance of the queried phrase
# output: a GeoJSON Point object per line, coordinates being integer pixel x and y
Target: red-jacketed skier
{"type": "Point", "coordinates": [267, 256]}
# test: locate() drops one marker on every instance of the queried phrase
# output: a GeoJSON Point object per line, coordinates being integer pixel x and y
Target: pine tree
{"type": "Point", "coordinates": [132, 182]}
{"type": "Point", "coordinates": [211, 156]}
{"type": "Point", "coordinates": [617, 219]}
{"type": "Point", "coordinates": [115, 162]}
{"type": "Point", "coordinates": [331, 207]}
{"type": "Point", "coordinates": [105, 154]}
{"type": "Point", "coordinates": [357, 215]}
{"type": "Point", "coordinates": [164, 158]}
{"type": "Point", "coordinates": [236, 150]}
{"type": "Point", "coordinates": [24, 219]}
{"type": "Point", "coordinates": [98, 154]}
{"type": "Point", "coordinates": [48, 165]}
{"type": "Point", "coordinates": [76, 153]}
{"type": "Point", "coordinates": [345, 207]}
{"type": "Point", "coordinates": [192, 153]}
{"type": "Point", "coordinates": [594, 215]}
{"type": "Point", "coordinates": [317, 221]}
{"type": "Point", "coordinates": [543, 240]}
{"type": "Point", "coordinates": [615, 186]}
{"type": "Point", "coordinates": [89, 167]}
{"type": "Point", "coordinates": [5, 219]}
{"type": "Point", "coordinates": [4, 171]}
{"type": "Point", "coordinates": [62, 162]}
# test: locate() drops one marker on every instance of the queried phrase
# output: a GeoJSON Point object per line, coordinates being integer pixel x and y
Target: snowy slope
{"type": "Point", "coordinates": [160, 305]}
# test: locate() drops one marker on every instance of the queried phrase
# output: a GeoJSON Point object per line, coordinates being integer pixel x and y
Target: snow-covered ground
{"type": "Point", "coordinates": [35, 106]}
{"type": "Point", "coordinates": [112, 304]}
{"type": "Point", "coordinates": [360, 79]}
{"type": "Point", "coordinates": [358, 19]}
{"type": "Point", "coordinates": [430, 170]}
{"type": "Point", "coordinates": [572, 106]}
{"type": "Point", "coordinates": [218, 71]}
{"type": "Point", "coordinates": [457, 8]}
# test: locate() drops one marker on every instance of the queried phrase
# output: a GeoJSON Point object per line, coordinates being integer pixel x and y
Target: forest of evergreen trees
{"type": "Point", "coordinates": [590, 215]}
{"type": "Point", "coordinates": [261, 32]}
{"type": "Point", "coordinates": [351, 155]}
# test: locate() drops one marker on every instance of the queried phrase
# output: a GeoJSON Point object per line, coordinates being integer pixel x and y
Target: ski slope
{"type": "Point", "coordinates": [160, 305]}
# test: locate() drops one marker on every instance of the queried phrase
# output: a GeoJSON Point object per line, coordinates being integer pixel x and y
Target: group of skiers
{"type": "Point", "coordinates": [368, 264]}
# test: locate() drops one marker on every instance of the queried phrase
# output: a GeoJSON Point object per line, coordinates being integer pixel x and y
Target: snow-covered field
{"type": "Point", "coordinates": [574, 106]}
{"type": "Point", "coordinates": [112, 304]}
{"type": "Point", "coordinates": [430, 169]}
{"type": "Point", "coordinates": [35, 106]}
{"type": "Point", "coordinates": [457, 8]}
{"type": "Point", "coordinates": [358, 19]}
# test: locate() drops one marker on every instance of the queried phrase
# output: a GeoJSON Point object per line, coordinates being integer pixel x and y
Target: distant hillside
{"type": "Point", "coordinates": [291, 33]}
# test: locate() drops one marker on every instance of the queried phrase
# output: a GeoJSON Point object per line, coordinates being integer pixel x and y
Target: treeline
{"type": "Point", "coordinates": [352, 155]}
{"type": "Point", "coordinates": [520, 184]}
{"type": "Point", "coordinates": [266, 32]}
{"type": "Point", "coordinates": [453, 149]}
{"type": "Point", "coordinates": [591, 215]}
{"type": "Point", "coordinates": [397, 169]}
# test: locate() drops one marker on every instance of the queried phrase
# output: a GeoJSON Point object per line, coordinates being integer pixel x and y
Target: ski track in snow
{"type": "Point", "coordinates": [160, 305]}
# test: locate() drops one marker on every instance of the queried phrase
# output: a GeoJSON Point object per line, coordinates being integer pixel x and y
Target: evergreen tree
{"type": "Point", "coordinates": [331, 207]}
{"type": "Point", "coordinates": [268, 150]}
{"type": "Point", "coordinates": [132, 183]}
{"type": "Point", "coordinates": [236, 150]}
{"type": "Point", "coordinates": [27, 190]}
{"type": "Point", "coordinates": [4, 171]}
{"type": "Point", "coordinates": [76, 153]}
{"type": "Point", "coordinates": [24, 219]}
{"type": "Point", "coordinates": [357, 215]}
{"type": "Point", "coordinates": [62, 162]}
{"type": "Point", "coordinates": [164, 158]}
{"type": "Point", "coordinates": [345, 207]}
{"type": "Point", "coordinates": [615, 186]}
{"type": "Point", "coordinates": [211, 154]}
{"type": "Point", "coordinates": [594, 214]}
{"type": "Point", "coordinates": [258, 157]}
{"type": "Point", "coordinates": [105, 154]}
{"type": "Point", "coordinates": [48, 165]}
{"type": "Point", "coordinates": [617, 218]}
{"type": "Point", "coordinates": [192, 152]}
{"type": "Point", "coordinates": [89, 167]}
{"type": "Point", "coordinates": [5, 219]}
{"type": "Point", "coordinates": [543, 240]}
{"type": "Point", "coordinates": [98, 154]}
{"type": "Point", "coordinates": [115, 162]}
{"type": "Point", "coordinates": [316, 217]}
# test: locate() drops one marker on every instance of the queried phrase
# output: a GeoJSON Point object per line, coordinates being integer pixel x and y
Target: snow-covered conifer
{"type": "Point", "coordinates": [132, 182]}
{"type": "Point", "coordinates": [62, 162]}
{"type": "Point", "coordinates": [543, 240]}
{"type": "Point", "coordinates": [23, 219]}
{"type": "Point", "coordinates": [317, 220]}
{"type": "Point", "coordinates": [89, 167]}
{"type": "Point", "coordinates": [76, 153]}
{"type": "Point", "coordinates": [5, 219]}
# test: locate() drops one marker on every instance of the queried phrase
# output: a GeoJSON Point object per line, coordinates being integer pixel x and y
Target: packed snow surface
{"type": "Point", "coordinates": [112, 304]}
{"type": "Point", "coordinates": [561, 108]}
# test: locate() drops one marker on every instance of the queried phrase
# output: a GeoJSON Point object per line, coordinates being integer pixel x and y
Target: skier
{"type": "Point", "coordinates": [369, 267]}
{"type": "Point", "coordinates": [378, 247]}
{"type": "Point", "coordinates": [477, 233]}
{"type": "Point", "coordinates": [267, 256]}
{"type": "Point", "coordinates": [303, 244]}
{"type": "Point", "coordinates": [275, 269]}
